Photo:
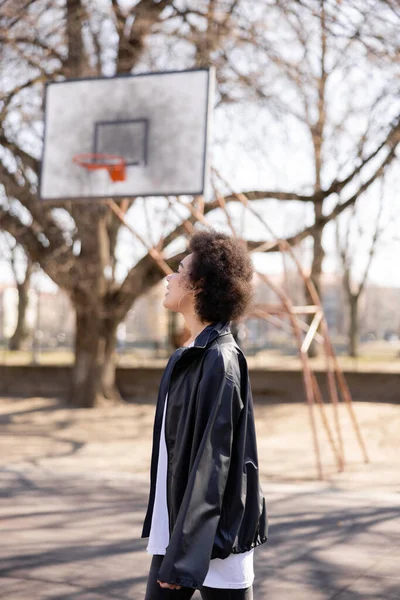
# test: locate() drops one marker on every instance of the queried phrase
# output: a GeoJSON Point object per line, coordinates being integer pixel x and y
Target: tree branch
{"type": "Point", "coordinates": [75, 61]}
{"type": "Point", "coordinates": [131, 46]}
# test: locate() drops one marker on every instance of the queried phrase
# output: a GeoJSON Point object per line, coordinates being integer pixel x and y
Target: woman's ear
{"type": "Point", "coordinates": [198, 287]}
{"type": "Point", "coordinates": [196, 290]}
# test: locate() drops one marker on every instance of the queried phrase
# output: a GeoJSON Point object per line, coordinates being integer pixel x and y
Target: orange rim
{"type": "Point", "coordinates": [114, 164]}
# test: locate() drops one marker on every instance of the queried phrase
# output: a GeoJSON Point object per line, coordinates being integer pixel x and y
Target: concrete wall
{"type": "Point", "coordinates": [141, 384]}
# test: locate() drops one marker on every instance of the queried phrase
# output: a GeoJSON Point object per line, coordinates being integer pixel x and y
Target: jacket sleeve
{"type": "Point", "coordinates": [188, 554]}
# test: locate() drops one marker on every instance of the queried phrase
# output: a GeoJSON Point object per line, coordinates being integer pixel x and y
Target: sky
{"type": "Point", "coordinates": [253, 150]}
{"type": "Point", "coordinates": [247, 170]}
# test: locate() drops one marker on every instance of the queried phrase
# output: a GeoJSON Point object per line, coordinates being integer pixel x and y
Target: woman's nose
{"type": "Point", "coordinates": [168, 277]}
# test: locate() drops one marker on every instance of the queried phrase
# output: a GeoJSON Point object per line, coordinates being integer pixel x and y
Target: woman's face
{"type": "Point", "coordinates": [179, 295]}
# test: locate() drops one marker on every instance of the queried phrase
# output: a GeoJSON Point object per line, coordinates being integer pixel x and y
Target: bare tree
{"type": "Point", "coordinates": [11, 252]}
{"type": "Point", "coordinates": [348, 242]}
{"type": "Point", "coordinates": [331, 46]}
{"type": "Point", "coordinates": [76, 246]}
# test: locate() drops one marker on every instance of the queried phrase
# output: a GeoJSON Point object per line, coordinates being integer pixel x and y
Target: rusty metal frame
{"type": "Point", "coordinates": [304, 333]}
{"type": "Point", "coordinates": [335, 377]}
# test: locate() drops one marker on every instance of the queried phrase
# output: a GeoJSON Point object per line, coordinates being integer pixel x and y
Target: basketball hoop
{"type": "Point", "coordinates": [114, 164]}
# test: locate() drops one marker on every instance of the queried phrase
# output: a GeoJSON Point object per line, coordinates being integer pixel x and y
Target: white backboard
{"type": "Point", "coordinates": [158, 122]}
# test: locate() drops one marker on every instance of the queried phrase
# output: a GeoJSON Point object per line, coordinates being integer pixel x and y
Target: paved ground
{"type": "Point", "coordinates": [74, 488]}
{"type": "Point", "coordinates": [70, 537]}
{"type": "Point", "coordinates": [42, 432]}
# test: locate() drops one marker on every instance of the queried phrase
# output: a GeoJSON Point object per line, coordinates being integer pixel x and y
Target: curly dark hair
{"type": "Point", "coordinates": [221, 270]}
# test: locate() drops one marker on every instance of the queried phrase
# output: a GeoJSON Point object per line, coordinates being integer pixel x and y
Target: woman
{"type": "Point", "coordinates": [206, 511]}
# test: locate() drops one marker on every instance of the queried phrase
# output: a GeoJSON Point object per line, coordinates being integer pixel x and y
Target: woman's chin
{"type": "Point", "coordinates": [166, 302]}
{"type": "Point", "coordinates": [170, 305]}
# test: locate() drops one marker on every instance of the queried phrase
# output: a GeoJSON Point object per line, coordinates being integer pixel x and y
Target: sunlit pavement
{"type": "Point", "coordinates": [77, 536]}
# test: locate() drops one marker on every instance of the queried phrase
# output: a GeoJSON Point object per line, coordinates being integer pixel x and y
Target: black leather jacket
{"type": "Point", "coordinates": [215, 502]}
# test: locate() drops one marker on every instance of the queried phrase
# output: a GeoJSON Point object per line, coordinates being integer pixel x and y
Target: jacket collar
{"type": "Point", "coordinates": [211, 332]}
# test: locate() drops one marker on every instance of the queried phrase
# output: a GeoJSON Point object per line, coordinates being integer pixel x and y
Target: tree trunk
{"type": "Point", "coordinates": [317, 133]}
{"type": "Point", "coordinates": [93, 381]}
{"type": "Point", "coordinates": [21, 331]}
{"type": "Point", "coordinates": [353, 326]}
{"type": "Point", "coordinates": [316, 272]}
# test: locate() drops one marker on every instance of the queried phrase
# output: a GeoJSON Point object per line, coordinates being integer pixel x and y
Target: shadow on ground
{"type": "Point", "coordinates": [78, 537]}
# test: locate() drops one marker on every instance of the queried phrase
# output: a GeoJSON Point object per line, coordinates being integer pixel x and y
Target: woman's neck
{"type": "Point", "coordinates": [195, 327]}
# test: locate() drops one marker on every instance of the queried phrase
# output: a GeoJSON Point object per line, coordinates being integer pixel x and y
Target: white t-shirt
{"type": "Point", "coordinates": [235, 571]}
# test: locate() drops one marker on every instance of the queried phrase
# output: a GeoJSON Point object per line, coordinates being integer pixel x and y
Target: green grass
{"type": "Point", "coordinates": [378, 356]}
{"type": "Point", "coordinates": [26, 357]}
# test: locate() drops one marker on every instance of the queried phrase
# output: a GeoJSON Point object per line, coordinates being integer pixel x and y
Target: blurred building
{"type": "Point", "coordinates": [51, 317]}
{"type": "Point", "coordinates": [380, 314]}
{"type": "Point", "coordinates": [146, 323]}
{"type": "Point", "coordinates": [379, 307]}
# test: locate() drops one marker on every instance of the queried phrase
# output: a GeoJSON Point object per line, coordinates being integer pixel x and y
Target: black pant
{"type": "Point", "coordinates": [155, 592]}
